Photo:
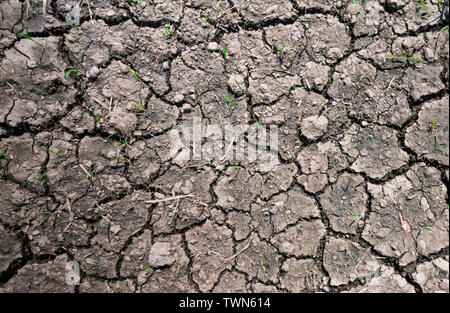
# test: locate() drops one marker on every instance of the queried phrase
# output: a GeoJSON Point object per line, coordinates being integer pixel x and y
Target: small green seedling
{"type": "Point", "coordinates": [357, 9]}
{"type": "Point", "coordinates": [354, 219]}
{"type": "Point", "coordinates": [79, 73]}
{"type": "Point", "coordinates": [405, 57]}
{"type": "Point", "coordinates": [54, 152]}
{"type": "Point", "coordinates": [365, 74]}
{"type": "Point", "coordinates": [168, 32]}
{"type": "Point", "coordinates": [139, 106]}
{"type": "Point", "coordinates": [47, 212]}
{"type": "Point", "coordinates": [434, 125]}
{"type": "Point", "coordinates": [438, 143]}
{"type": "Point", "coordinates": [428, 228]}
{"type": "Point", "coordinates": [263, 266]}
{"type": "Point", "coordinates": [26, 36]}
{"type": "Point", "coordinates": [101, 224]}
{"type": "Point", "coordinates": [290, 86]}
{"type": "Point", "coordinates": [420, 6]}
{"type": "Point", "coordinates": [259, 124]}
{"type": "Point", "coordinates": [40, 179]}
{"type": "Point", "coordinates": [135, 74]}
{"type": "Point", "coordinates": [439, 4]}
{"type": "Point", "coordinates": [137, 1]}
{"type": "Point", "coordinates": [397, 190]}
{"type": "Point", "coordinates": [123, 143]}
{"type": "Point", "coordinates": [240, 88]}
{"type": "Point", "coordinates": [91, 174]}
{"type": "Point", "coordinates": [206, 22]}
{"type": "Point", "coordinates": [239, 163]}
{"type": "Point", "coordinates": [229, 100]}
{"type": "Point", "coordinates": [280, 52]}
{"type": "Point", "coordinates": [217, 5]}
{"type": "Point", "coordinates": [5, 155]}
{"type": "Point", "coordinates": [445, 29]}
{"type": "Point", "coordinates": [96, 117]}
{"type": "Point", "coordinates": [347, 124]}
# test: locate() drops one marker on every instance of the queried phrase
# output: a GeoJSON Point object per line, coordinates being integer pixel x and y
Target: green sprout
{"type": "Point", "coordinates": [420, 5]}
{"type": "Point", "coordinates": [139, 106]}
{"type": "Point", "coordinates": [137, 1]}
{"type": "Point", "coordinates": [101, 224]}
{"type": "Point", "coordinates": [428, 228]}
{"type": "Point", "coordinates": [280, 52]}
{"type": "Point", "coordinates": [47, 212]}
{"type": "Point", "coordinates": [357, 9]}
{"type": "Point", "coordinates": [79, 73]}
{"type": "Point", "coordinates": [40, 179]}
{"type": "Point", "coordinates": [135, 74]}
{"type": "Point", "coordinates": [239, 163]}
{"type": "Point", "coordinates": [123, 143]}
{"type": "Point", "coordinates": [168, 32]}
{"type": "Point", "coordinates": [438, 143]}
{"type": "Point", "coordinates": [439, 4]}
{"type": "Point", "coordinates": [290, 86]}
{"type": "Point", "coordinates": [240, 88]}
{"type": "Point", "coordinates": [259, 124]}
{"type": "Point", "coordinates": [217, 5]}
{"type": "Point", "coordinates": [365, 74]}
{"type": "Point", "coordinates": [263, 266]}
{"type": "Point", "coordinates": [26, 36]}
{"type": "Point", "coordinates": [354, 219]}
{"type": "Point", "coordinates": [225, 52]}
{"type": "Point", "coordinates": [434, 125]}
{"type": "Point", "coordinates": [229, 100]}
{"type": "Point", "coordinates": [5, 155]}
{"type": "Point", "coordinates": [96, 117]}
{"type": "Point", "coordinates": [444, 29]}
{"type": "Point", "coordinates": [91, 174]}
{"type": "Point", "coordinates": [405, 57]}
{"type": "Point", "coordinates": [206, 22]}
{"type": "Point", "coordinates": [54, 152]}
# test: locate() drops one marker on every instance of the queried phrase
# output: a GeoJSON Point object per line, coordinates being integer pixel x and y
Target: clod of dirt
{"type": "Point", "coordinates": [385, 281]}
{"type": "Point", "coordinates": [135, 258]}
{"type": "Point", "coordinates": [259, 260]}
{"type": "Point", "coordinates": [428, 137]}
{"type": "Point", "coordinates": [301, 276]}
{"type": "Point", "coordinates": [174, 278]}
{"type": "Point", "coordinates": [375, 149]}
{"type": "Point", "coordinates": [346, 261]}
{"type": "Point", "coordinates": [40, 277]}
{"type": "Point", "coordinates": [231, 282]}
{"type": "Point", "coordinates": [409, 216]}
{"type": "Point", "coordinates": [10, 249]}
{"type": "Point", "coordinates": [345, 203]}
{"type": "Point", "coordinates": [314, 126]}
{"type": "Point", "coordinates": [433, 276]}
{"type": "Point", "coordinates": [238, 190]}
{"type": "Point", "coordinates": [160, 255]}
{"type": "Point", "coordinates": [210, 246]}
{"type": "Point", "coordinates": [300, 240]}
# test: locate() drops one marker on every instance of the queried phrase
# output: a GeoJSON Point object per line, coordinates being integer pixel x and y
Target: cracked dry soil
{"type": "Point", "coordinates": [358, 202]}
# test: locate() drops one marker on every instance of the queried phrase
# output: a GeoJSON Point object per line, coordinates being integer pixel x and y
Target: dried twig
{"type": "Point", "coordinates": [229, 148]}
{"type": "Point", "coordinates": [360, 260]}
{"type": "Point", "coordinates": [169, 199]}
{"type": "Point", "coordinates": [235, 255]}
{"type": "Point", "coordinates": [69, 208]}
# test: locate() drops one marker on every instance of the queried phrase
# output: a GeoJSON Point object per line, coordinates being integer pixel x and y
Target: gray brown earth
{"type": "Point", "coordinates": [358, 203]}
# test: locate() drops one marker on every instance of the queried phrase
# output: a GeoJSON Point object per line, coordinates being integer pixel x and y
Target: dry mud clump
{"type": "Point", "coordinates": [358, 202]}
